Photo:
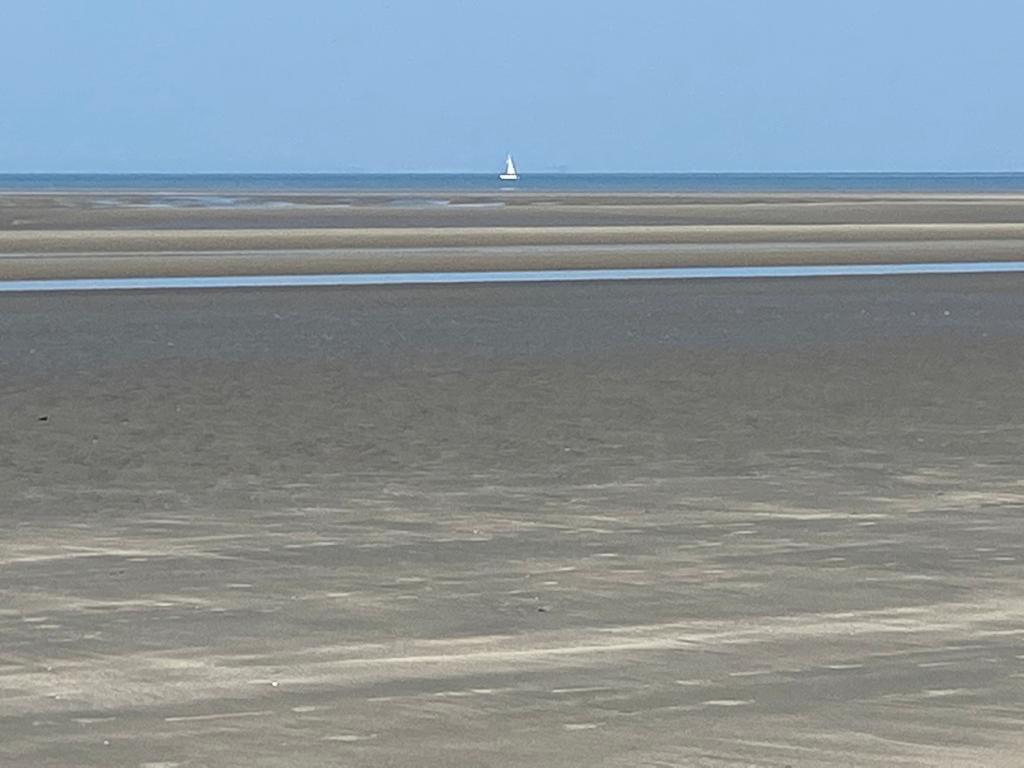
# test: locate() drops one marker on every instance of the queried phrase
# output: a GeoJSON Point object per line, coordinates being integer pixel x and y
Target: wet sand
{"type": "Point", "coordinates": [739, 523]}
{"type": "Point", "coordinates": [83, 235]}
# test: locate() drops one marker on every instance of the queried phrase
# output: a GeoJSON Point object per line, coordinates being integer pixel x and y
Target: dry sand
{"type": "Point", "coordinates": [741, 523]}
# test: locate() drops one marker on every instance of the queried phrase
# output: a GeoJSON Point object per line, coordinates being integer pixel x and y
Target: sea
{"type": "Point", "coordinates": [542, 182]}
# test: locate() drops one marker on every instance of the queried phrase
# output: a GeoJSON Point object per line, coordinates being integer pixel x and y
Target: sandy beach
{"type": "Point", "coordinates": [740, 523]}
{"type": "Point", "coordinates": [519, 385]}
{"type": "Point", "coordinates": [85, 235]}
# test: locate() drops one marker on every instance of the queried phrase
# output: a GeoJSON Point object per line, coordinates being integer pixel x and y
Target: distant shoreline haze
{"type": "Point", "coordinates": [995, 182]}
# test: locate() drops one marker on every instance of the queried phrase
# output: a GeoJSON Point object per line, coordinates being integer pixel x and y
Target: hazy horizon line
{"type": "Point", "coordinates": [546, 172]}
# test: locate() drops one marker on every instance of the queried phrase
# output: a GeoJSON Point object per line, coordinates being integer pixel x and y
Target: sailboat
{"type": "Point", "coordinates": [510, 170]}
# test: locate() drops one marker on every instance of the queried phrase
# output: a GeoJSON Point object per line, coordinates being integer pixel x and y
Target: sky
{"type": "Point", "coordinates": [310, 86]}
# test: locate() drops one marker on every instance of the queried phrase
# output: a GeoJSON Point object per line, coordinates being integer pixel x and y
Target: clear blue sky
{"type": "Point", "coordinates": [578, 85]}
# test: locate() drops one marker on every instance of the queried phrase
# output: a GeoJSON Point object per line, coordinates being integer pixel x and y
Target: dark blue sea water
{"type": "Point", "coordinates": [554, 182]}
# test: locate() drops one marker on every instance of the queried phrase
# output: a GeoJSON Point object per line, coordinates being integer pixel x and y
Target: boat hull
{"type": "Point", "coordinates": [508, 177]}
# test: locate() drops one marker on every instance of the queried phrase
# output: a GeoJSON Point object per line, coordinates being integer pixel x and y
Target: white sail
{"type": "Point", "coordinates": [510, 173]}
